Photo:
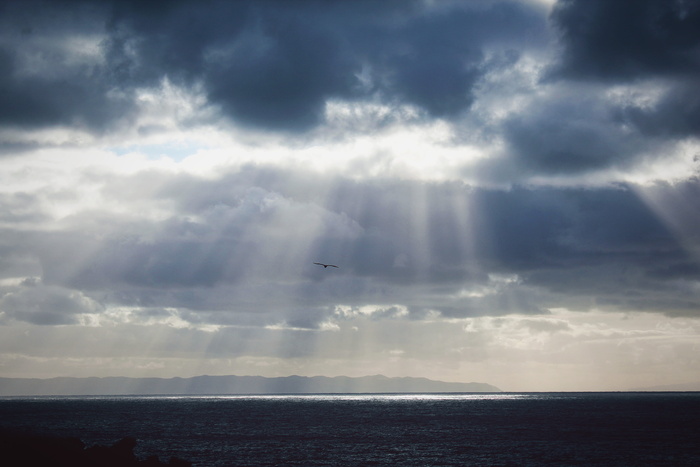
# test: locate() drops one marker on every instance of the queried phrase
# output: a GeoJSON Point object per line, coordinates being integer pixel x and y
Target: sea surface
{"type": "Point", "coordinates": [504, 429]}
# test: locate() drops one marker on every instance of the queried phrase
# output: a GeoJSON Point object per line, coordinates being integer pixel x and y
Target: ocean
{"type": "Point", "coordinates": [500, 429]}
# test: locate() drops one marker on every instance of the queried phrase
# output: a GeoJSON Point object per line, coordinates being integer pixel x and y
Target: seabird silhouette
{"type": "Point", "coordinates": [326, 265]}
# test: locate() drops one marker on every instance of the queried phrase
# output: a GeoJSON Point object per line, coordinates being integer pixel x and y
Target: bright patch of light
{"type": "Point", "coordinates": [497, 282]}
{"type": "Point", "coordinates": [675, 209]}
{"type": "Point", "coordinates": [329, 326]}
{"type": "Point", "coordinates": [511, 91]}
{"type": "Point", "coordinates": [351, 312]}
{"type": "Point", "coordinates": [169, 317]}
{"type": "Point", "coordinates": [504, 278]}
{"type": "Point", "coordinates": [67, 182]}
{"type": "Point", "coordinates": [408, 148]}
{"type": "Point", "coordinates": [643, 95]}
{"type": "Point", "coordinates": [14, 281]}
{"type": "Point", "coordinates": [284, 326]}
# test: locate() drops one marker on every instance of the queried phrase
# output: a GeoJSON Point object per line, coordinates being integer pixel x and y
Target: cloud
{"type": "Point", "coordinates": [676, 114]}
{"type": "Point", "coordinates": [46, 305]}
{"type": "Point", "coordinates": [222, 249]}
{"type": "Point", "coordinates": [264, 64]}
{"type": "Point", "coordinates": [627, 40]}
{"type": "Point", "coordinates": [564, 136]}
{"type": "Point", "coordinates": [51, 68]}
{"type": "Point", "coordinates": [617, 93]}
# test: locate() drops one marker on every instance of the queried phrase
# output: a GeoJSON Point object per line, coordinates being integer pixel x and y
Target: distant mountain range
{"type": "Point", "coordinates": [200, 385]}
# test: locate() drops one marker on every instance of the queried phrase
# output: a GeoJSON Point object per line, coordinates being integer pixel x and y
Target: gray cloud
{"type": "Point", "coordinates": [265, 64]}
{"type": "Point", "coordinates": [676, 115]}
{"type": "Point", "coordinates": [576, 127]}
{"type": "Point", "coordinates": [49, 73]}
{"type": "Point", "coordinates": [241, 247]}
{"type": "Point", "coordinates": [565, 136]}
{"type": "Point", "coordinates": [46, 305]}
{"type": "Point", "coordinates": [628, 40]}
{"type": "Point", "coordinates": [269, 65]}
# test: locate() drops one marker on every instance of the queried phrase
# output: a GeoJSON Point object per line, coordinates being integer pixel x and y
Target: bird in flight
{"type": "Point", "coordinates": [326, 265]}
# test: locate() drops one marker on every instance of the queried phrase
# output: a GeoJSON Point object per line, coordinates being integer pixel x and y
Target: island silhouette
{"type": "Point", "coordinates": [230, 384]}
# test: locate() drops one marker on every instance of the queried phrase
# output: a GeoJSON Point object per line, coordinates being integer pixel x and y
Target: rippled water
{"type": "Point", "coordinates": [409, 430]}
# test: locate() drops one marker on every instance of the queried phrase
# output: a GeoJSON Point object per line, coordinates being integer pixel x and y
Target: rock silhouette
{"type": "Point", "coordinates": [42, 450]}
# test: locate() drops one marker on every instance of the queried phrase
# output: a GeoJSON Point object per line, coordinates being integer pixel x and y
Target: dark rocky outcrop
{"type": "Point", "coordinates": [41, 450]}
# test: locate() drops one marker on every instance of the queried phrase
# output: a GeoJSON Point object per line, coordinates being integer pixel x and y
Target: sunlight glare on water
{"type": "Point", "coordinates": [341, 397]}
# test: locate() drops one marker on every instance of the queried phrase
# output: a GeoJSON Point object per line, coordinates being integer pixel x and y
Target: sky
{"type": "Point", "coordinates": [509, 188]}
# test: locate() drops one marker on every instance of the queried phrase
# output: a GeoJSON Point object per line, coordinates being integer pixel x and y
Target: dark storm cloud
{"type": "Point", "coordinates": [568, 133]}
{"type": "Point", "coordinates": [629, 42]}
{"type": "Point", "coordinates": [434, 61]}
{"type": "Point", "coordinates": [267, 64]}
{"type": "Point", "coordinates": [576, 246]}
{"type": "Point", "coordinates": [675, 115]}
{"type": "Point", "coordinates": [619, 253]}
{"type": "Point", "coordinates": [628, 39]}
{"type": "Point", "coordinates": [578, 126]}
{"type": "Point", "coordinates": [42, 83]}
{"type": "Point", "coordinates": [281, 69]}
{"type": "Point", "coordinates": [36, 101]}
{"type": "Point", "coordinates": [274, 65]}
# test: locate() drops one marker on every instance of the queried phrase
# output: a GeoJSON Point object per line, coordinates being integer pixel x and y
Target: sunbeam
{"type": "Point", "coordinates": [675, 204]}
